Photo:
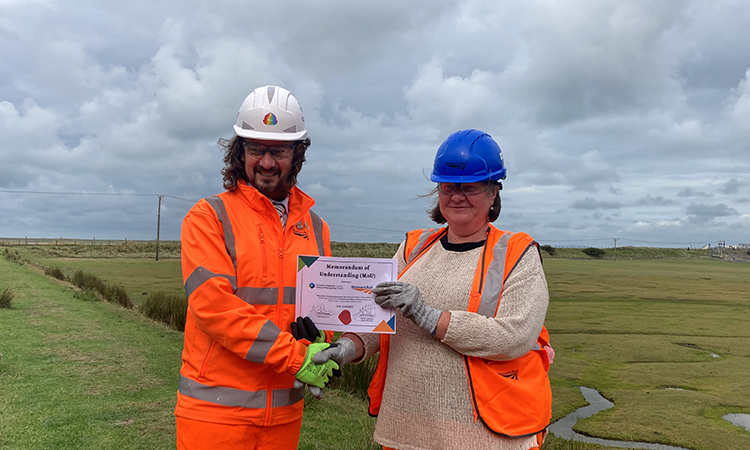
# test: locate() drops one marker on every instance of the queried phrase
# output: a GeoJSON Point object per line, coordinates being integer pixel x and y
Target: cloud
{"type": "Point", "coordinates": [732, 186]}
{"type": "Point", "coordinates": [703, 213]}
{"type": "Point", "coordinates": [627, 102]}
{"type": "Point", "coordinates": [590, 203]}
{"type": "Point", "coordinates": [658, 200]}
{"type": "Point", "coordinates": [690, 192]}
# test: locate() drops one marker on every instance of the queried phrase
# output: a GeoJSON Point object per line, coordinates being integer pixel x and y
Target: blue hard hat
{"type": "Point", "coordinates": [468, 156]}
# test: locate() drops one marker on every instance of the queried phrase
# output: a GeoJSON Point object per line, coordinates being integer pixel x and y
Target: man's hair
{"type": "Point", "coordinates": [234, 167]}
{"type": "Point", "coordinates": [437, 216]}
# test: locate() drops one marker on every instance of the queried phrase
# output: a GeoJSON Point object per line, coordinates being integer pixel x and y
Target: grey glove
{"type": "Point", "coordinates": [343, 352]}
{"type": "Point", "coordinates": [406, 297]}
{"type": "Point", "coordinates": [314, 390]}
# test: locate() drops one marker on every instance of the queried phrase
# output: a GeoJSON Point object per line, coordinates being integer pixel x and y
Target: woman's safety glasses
{"type": "Point", "coordinates": [467, 189]}
{"type": "Point", "coordinates": [277, 152]}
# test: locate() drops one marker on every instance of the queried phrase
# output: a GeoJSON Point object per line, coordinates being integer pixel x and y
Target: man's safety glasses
{"type": "Point", "coordinates": [277, 152]}
{"type": "Point", "coordinates": [466, 188]}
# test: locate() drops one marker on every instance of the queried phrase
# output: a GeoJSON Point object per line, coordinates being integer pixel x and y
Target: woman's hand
{"type": "Point", "coordinates": [407, 298]}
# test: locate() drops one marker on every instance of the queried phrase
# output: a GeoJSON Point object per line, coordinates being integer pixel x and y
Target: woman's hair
{"type": "Point", "coordinates": [437, 216]}
{"type": "Point", "coordinates": [234, 166]}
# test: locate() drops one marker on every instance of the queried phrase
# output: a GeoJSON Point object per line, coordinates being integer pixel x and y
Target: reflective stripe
{"type": "Point", "coordinates": [258, 296]}
{"type": "Point", "coordinates": [221, 212]}
{"type": "Point", "coordinates": [200, 275]}
{"type": "Point", "coordinates": [422, 239]}
{"type": "Point", "coordinates": [532, 244]}
{"type": "Point", "coordinates": [266, 296]}
{"type": "Point", "coordinates": [286, 397]}
{"type": "Point", "coordinates": [290, 294]}
{"type": "Point", "coordinates": [221, 395]}
{"type": "Point", "coordinates": [225, 396]}
{"type": "Point", "coordinates": [317, 224]}
{"type": "Point", "coordinates": [263, 343]}
{"type": "Point", "coordinates": [493, 282]}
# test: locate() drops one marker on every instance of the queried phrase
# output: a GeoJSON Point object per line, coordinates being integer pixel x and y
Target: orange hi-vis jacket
{"type": "Point", "coordinates": [512, 398]}
{"type": "Point", "coordinates": [239, 266]}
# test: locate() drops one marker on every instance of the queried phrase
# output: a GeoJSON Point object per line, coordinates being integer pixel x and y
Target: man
{"type": "Point", "coordinates": [239, 263]}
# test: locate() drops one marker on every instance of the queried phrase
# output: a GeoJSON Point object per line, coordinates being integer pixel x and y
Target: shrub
{"type": "Point", "coordinates": [12, 256]}
{"type": "Point", "coordinates": [54, 272]}
{"type": "Point", "coordinates": [167, 308]}
{"type": "Point", "coordinates": [362, 250]}
{"type": "Point", "coordinates": [117, 294]}
{"type": "Point", "coordinates": [549, 249]}
{"type": "Point", "coordinates": [113, 294]}
{"type": "Point", "coordinates": [86, 295]}
{"type": "Point", "coordinates": [594, 252]}
{"type": "Point", "coordinates": [6, 298]}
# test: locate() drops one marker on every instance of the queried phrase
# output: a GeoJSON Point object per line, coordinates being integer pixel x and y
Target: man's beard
{"type": "Point", "coordinates": [277, 189]}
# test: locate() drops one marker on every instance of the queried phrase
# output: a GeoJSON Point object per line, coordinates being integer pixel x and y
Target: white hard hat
{"type": "Point", "coordinates": [272, 113]}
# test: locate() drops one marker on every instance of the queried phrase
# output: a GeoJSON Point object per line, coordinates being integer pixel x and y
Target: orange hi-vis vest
{"type": "Point", "coordinates": [512, 398]}
{"type": "Point", "coordinates": [239, 266]}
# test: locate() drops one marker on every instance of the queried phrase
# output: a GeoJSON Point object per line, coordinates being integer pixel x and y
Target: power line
{"type": "Point", "coordinates": [98, 193]}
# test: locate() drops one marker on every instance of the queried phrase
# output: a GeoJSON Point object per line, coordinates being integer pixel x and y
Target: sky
{"type": "Point", "coordinates": [621, 122]}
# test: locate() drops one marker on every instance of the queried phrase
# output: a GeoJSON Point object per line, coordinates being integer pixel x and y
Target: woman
{"type": "Point", "coordinates": [466, 367]}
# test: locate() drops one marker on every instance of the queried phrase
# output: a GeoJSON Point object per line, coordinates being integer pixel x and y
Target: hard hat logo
{"type": "Point", "coordinates": [270, 119]}
{"type": "Point", "coordinates": [456, 165]}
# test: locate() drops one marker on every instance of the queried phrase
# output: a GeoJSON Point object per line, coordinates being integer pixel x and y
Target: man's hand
{"type": "Point", "coordinates": [316, 374]}
{"type": "Point", "coordinates": [343, 352]}
{"type": "Point", "coordinates": [406, 297]}
{"type": "Point", "coordinates": [304, 328]}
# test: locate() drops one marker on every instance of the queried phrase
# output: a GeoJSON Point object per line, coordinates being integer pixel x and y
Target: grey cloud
{"type": "Point", "coordinates": [590, 203]}
{"type": "Point", "coordinates": [690, 192]}
{"type": "Point", "coordinates": [559, 224]}
{"type": "Point", "coordinates": [732, 186]}
{"type": "Point", "coordinates": [703, 213]}
{"type": "Point", "coordinates": [658, 200]}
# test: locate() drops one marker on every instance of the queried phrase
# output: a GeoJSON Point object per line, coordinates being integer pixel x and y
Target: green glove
{"type": "Point", "coordinates": [316, 374]}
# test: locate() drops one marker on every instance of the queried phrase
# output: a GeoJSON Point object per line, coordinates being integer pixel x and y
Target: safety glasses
{"type": "Point", "coordinates": [468, 189]}
{"type": "Point", "coordinates": [277, 152]}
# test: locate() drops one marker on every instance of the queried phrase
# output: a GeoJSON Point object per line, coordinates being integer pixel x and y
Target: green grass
{"type": "Point", "coordinates": [138, 276]}
{"type": "Point", "coordinates": [629, 253]}
{"type": "Point", "coordinates": [635, 329]}
{"type": "Point", "coordinates": [78, 374]}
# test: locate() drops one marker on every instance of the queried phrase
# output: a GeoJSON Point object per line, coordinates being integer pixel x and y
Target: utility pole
{"type": "Point", "coordinates": [158, 226]}
{"type": "Point", "coordinates": [615, 239]}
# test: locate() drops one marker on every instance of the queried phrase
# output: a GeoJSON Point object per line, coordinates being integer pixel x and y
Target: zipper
{"type": "Point", "coordinates": [204, 366]}
{"type": "Point", "coordinates": [262, 239]}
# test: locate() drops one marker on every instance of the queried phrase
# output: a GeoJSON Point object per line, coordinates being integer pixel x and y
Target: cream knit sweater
{"type": "Point", "coordinates": [427, 404]}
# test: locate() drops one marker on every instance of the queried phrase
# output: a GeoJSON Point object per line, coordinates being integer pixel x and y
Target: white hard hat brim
{"type": "Point", "coordinates": [267, 136]}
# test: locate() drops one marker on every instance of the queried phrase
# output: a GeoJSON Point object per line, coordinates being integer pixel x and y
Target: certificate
{"type": "Point", "coordinates": [336, 293]}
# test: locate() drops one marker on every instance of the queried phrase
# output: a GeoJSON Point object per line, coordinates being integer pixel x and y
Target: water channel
{"type": "Point", "coordinates": [739, 420]}
{"type": "Point", "coordinates": [563, 428]}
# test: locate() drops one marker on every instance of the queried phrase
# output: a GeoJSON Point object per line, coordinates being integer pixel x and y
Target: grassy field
{"type": "Point", "coordinates": [665, 339]}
